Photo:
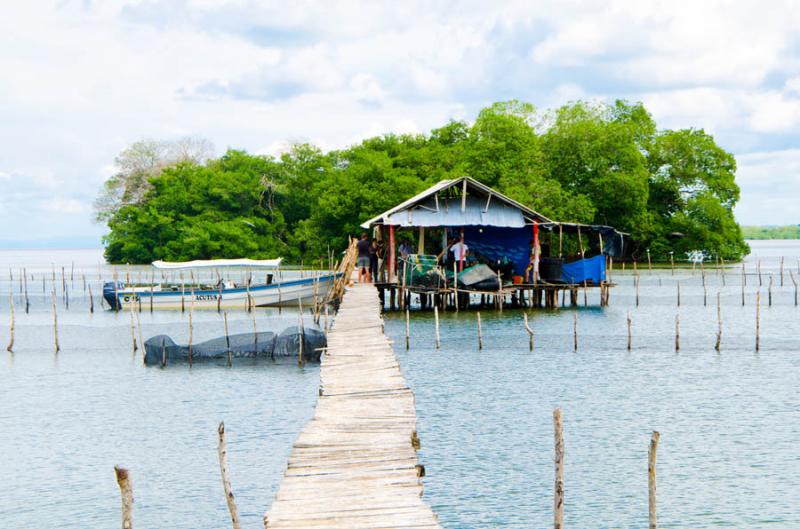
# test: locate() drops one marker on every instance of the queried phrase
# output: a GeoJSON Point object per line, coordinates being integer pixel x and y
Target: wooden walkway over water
{"type": "Point", "coordinates": [354, 465]}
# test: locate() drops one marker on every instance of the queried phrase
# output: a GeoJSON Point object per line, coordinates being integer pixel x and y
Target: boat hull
{"type": "Point", "coordinates": [283, 294]}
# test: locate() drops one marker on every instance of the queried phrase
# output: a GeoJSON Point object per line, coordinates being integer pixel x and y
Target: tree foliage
{"type": "Point", "coordinates": [671, 190]}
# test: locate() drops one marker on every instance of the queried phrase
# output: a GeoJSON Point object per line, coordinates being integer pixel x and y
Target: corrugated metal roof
{"type": "Point", "coordinates": [477, 216]}
{"type": "Point", "coordinates": [475, 213]}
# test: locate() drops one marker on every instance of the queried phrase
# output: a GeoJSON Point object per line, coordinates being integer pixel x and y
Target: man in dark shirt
{"type": "Point", "coordinates": [363, 259]}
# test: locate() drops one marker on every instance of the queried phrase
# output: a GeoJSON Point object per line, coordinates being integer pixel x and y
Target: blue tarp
{"type": "Point", "coordinates": [592, 269]}
{"type": "Point", "coordinates": [493, 243]}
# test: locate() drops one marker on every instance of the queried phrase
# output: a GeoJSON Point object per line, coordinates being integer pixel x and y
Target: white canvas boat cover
{"type": "Point", "coordinates": [219, 263]}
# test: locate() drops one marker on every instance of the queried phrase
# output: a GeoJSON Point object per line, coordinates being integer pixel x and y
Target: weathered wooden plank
{"type": "Point", "coordinates": [354, 465]}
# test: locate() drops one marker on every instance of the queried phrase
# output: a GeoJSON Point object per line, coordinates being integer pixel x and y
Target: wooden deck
{"type": "Point", "coordinates": [354, 465]}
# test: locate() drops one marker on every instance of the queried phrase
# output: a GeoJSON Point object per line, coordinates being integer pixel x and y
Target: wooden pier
{"type": "Point", "coordinates": [354, 465]}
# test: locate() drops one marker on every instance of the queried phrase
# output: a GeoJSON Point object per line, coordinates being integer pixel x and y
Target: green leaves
{"type": "Point", "coordinates": [584, 162]}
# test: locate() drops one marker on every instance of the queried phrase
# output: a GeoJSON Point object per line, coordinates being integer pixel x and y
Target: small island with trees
{"type": "Point", "coordinates": [595, 163]}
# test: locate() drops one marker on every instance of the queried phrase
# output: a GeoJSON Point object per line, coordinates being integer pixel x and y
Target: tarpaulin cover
{"type": "Point", "coordinates": [592, 270]}
{"type": "Point", "coordinates": [498, 244]}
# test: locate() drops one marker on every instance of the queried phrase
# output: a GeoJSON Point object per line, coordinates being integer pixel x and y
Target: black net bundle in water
{"type": "Point", "coordinates": [161, 349]}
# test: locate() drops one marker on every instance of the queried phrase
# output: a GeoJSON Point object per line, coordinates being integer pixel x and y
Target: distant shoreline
{"type": "Point", "coordinates": [761, 233]}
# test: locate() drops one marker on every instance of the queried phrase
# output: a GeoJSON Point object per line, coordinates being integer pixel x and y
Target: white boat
{"type": "Point", "coordinates": [224, 294]}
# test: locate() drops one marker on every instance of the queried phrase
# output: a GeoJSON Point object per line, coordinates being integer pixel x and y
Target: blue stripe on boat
{"type": "Point", "coordinates": [258, 288]}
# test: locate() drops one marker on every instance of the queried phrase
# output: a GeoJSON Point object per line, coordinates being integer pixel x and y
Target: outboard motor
{"type": "Point", "coordinates": [110, 289]}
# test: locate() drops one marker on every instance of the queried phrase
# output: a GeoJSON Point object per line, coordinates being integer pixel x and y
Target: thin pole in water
{"type": "Point", "coordinates": [529, 330]}
{"type": "Point", "coordinates": [480, 332]}
{"type": "Point", "coordinates": [630, 335]}
{"type": "Point", "coordinates": [191, 326]}
{"type": "Point", "coordinates": [719, 323]}
{"type": "Point", "coordinates": [10, 347]}
{"type": "Point", "coordinates": [55, 320]}
{"type": "Point", "coordinates": [436, 325]}
{"type": "Point", "coordinates": [222, 449]}
{"type": "Point", "coordinates": [227, 339]}
{"type": "Point", "coordinates": [408, 330]}
{"type": "Point", "coordinates": [558, 492]}
{"type": "Point", "coordinates": [651, 479]}
{"type": "Point", "coordinates": [575, 330]}
{"type": "Point", "coordinates": [758, 320]}
{"type": "Point", "coordinates": [126, 492]}
{"type": "Point", "coordinates": [677, 332]}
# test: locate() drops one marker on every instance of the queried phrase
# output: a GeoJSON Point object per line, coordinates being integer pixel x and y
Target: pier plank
{"type": "Point", "coordinates": [354, 465]}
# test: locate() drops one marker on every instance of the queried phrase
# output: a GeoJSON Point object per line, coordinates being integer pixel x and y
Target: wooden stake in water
{"type": "Point", "coordinates": [719, 324]}
{"type": "Point", "coordinates": [222, 450]}
{"type": "Point", "coordinates": [55, 321]}
{"type": "Point", "coordinates": [528, 330]}
{"type": "Point", "coordinates": [705, 296]}
{"type": "Point", "coordinates": [558, 492]}
{"type": "Point", "coordinates": [10, 347]}
{"type": "Point", "coordinates": [677, 332]}
{"type": "Point", "coordinates": [758, 320]}
{"type": "Point", "coordinates": [678, 284]}
{"type": "Point", "coordinates": [794, 282]}
{"type": "Point", "coordinates": [630, 334]}
{"type": "Point", "coordinates": [758, 269]}
{"type": "Point", "coordinates": [436, 325]}
{"type": "Point", "coordinates": [742, 294]}
{"type": "Point", "coordinates": [191, 329]}
{"type": "Point", "coordinates": [636, 284]}
{"type": "Point", "coordinates": [126, 491]}
{"type": "Point", "coordinates": [575, 330]}
{"type": "Point", "coordinates": [133, 330]}
{"type": "Point", "coordinates": [255, 331]}
{"type": "Point", "coordinates": [781, 271]}
{"type": "Point", "coordinates": [480, 332]}
{"type": "Point", "coordinates": [651, 479]}
{"type": "Point", "coordinates": [408, 330]}
{"type": "Point", "coordinates": [769, 290]}
{"type": "Point", "coordinates": [301, 340]}
{"type": "Point", "coordinates": [227, 339]}
{"type": "Point", "coordinates": [25, 285]}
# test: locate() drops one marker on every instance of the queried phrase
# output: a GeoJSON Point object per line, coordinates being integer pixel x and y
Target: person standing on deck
{"type": "Point", "coordinates": [363, 259]}
{"type": "Point", "coordinates": [373, 259]}
{"type": "Point", "coordinates": [459, 250]}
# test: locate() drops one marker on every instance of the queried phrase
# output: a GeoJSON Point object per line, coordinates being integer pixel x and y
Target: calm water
{"type": "Point", "coordinates": [66, 420]}
{"type": "Point", "coordinates": [729, 421]}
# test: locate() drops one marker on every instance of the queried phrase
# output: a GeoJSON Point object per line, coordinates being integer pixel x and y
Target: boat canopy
{"type": "Point", "coordinates": [219, 263]}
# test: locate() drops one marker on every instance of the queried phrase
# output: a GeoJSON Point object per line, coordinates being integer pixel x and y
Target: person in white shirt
{"type": "Point", "coordinates": [459, 250]}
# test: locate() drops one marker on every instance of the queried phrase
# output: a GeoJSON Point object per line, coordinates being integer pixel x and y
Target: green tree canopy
{"type": "Point", "coordinates": [671, 190]}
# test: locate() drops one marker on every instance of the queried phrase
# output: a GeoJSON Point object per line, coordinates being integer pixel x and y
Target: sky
{"type": "Point", "coordinates": [81, 80]}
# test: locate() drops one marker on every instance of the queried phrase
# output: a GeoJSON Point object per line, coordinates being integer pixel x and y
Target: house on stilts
{"type": "Point", "coordinates": [461, 243]}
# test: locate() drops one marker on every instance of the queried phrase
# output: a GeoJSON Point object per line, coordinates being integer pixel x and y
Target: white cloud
{"type": "Point", "coordinates": [770, 184]}
{"type": "Point", "coordinates": [86, 79]}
